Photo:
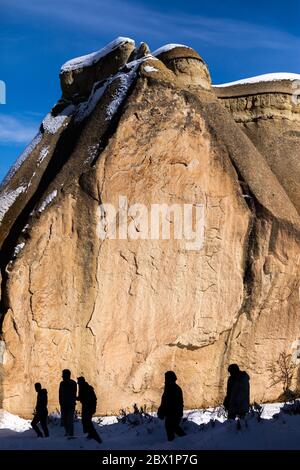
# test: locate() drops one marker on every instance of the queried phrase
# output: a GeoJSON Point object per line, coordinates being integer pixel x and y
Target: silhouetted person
{"type": "Point", "coordinates": [67, 401]}
{"type": "Point", "coordinates": [171, 407]}
{"type": "Point", "coordinates": [238, 390]}
{"type": "Point", "coordinates": [88, 400]}
{"type": "Point", "coordinates": [41, 411]}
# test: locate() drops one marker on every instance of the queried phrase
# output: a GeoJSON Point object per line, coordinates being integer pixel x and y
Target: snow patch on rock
{"type": "Point", "coordinates": [30, 147]}
{"type": "Point", "coordinates": [267, 77]}
{"type": "Point", "coordinates": [149, 69]}
{"type": "Point", "coordinates": [47, 201]}
{"type": "Point", "coordinates": [52, 124]}
{"type": "Point", "coordinates": [136, 62]}
{"type": "Point", "coordinates": [126, 80]}
{"type": "Point", "coordinates": [18, 248]}
{"type": "Point", "coordinates": [43, 154]}
{"type": "Point", "coordinates": [168, 47]}
{"type": "Point", "coordinates": [8, 198]}
{"type": "Point", "coordinates": [25, 228]}
{"type": "Point", "coordinates": [84, 109]}
{"type": "Point", "coordinates": [118, 97]}
{"type": "Point", "coordinates": [92, 151]}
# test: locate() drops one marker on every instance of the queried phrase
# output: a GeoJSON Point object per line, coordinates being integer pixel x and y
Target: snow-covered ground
{"type": "Point", "coordinates": [205, 429]}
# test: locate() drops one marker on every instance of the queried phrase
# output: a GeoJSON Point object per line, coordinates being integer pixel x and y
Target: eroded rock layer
{"type": "Point", "coordinates": [269, 114]}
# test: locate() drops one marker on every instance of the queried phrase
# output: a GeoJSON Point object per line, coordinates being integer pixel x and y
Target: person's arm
{"type": "Point", "coordinates": [60, 393]}
{"type": "Point", "coordinates": [228, 393]}
{"type": "Point", "coordinates": [74, 386]}
{"type": "Point", "coordinates": [36, 405]}
{"type": "Point", "coordinates": [181, 398]}
{"type": "Point", "coordinates": [79, 396]}
{"type": "Point", "coordinates": [45, 398]}
{"type": "Point", "coordinates": [162, 409]}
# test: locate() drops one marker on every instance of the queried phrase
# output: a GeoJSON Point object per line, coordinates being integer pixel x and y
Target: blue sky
{"type": "Point", "coordinates": [236, 38]}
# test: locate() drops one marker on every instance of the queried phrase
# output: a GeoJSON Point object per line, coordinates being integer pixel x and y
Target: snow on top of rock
{"type": "Point", "coordinates": [149, 68]}
{"type": "Point", "coordinates": [118, 97]}
{"type": "Point", "coordinates": [84, 109]}
{"type": "Point", "coordinates": [168, 47]}
{"type": "Point", "coordinates": [18, 248]}
{"type": "Point", "coordinates": [25, 228]}
{"type": "Point", "coordinates": [43, 154]}
{"type": "Point", "coordinates": [13, 422]}
{"type": "Point", "coordinates": [90, 59]}
{"type": "Point", "coordinates": [267, 77]}
{"type": "Point", "coordinates": [8, 198]}
{"type": "Point", "coordinates": [92, 151]}
{"type": "Point", "coordinates": [47, 201]}
{"type": "Point", "coordinates": [136, 62]}
{"type": "Point", "coordinates": [30, 147]}
{"type": "Point", "coordinates": [51, 124]}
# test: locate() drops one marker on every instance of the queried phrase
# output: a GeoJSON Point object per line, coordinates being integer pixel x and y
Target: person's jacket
{"type": "Point", "coordinates": [41, 401]}
{"type": "Point", "coordinates": [67, 393]}
{"type": "Point", "coordinates": [238, 394]}
{"type": "Point", "coordinates": [171, 402]}
{"type": "Point", "coordinates": [87, 397]}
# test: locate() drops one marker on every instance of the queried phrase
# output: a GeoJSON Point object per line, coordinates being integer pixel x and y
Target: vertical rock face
{"type": "Point", "coordinates": [269, 114]}
{"type": "Point", "coordinates": [146, 129]}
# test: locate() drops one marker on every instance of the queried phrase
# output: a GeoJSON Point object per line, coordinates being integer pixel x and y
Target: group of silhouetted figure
{"type": "Point", "coordinates": [67, 400]}
{"type": "Point", "coordinates": [236, 403]}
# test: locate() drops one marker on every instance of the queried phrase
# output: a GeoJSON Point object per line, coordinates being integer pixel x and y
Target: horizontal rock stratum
{"type": "Point", "coordinates": [151, 128]}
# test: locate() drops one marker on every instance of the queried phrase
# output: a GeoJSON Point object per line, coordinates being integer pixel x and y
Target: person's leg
{"type": "Point", "coordinates": [91, 428]}
{"type": "Point", "coordinates": [88, 423]}
{"type": "Point", "coordinates": [95, 434]}
{"type": "Point", "coordinates": [61, 417]}
{"type": "Point", "coordinates": [34, 424]}
{"type": "Point", "coordinates": [240, 420]}
{"type": "Point", "coordinates": [44, 419]}
{"type": "Point", "coordinates": [169, 425]}
{"type": "Point", "coordinates": [67, 421]}
{"type": "Point", "coordinates": [84, 419]}
{"type": "Point", "coordinates": [70, 422]}
{"type": "Point", "coordinates": [64, 419]}
{"type": "Point", "coordinates": [178, 430]}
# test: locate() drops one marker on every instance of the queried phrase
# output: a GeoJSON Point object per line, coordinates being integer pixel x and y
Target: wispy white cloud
{"type": "Point", "coordinates": [116, 17]}
{"type": "Point", "coordinates": [15, 130]}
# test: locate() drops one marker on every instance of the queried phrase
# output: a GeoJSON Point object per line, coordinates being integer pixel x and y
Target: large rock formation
{"type": "Point", "coordinates": [149, 127]}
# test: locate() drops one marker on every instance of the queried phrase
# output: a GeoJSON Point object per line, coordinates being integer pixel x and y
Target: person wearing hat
{"type": "Point", "coordinates": [171, 408]}
{"type": "Point", "coordinates": [88, 400]}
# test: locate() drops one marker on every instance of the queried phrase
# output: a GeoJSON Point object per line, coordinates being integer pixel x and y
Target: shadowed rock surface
{"type": "Point", "coordinates": [122, 312]}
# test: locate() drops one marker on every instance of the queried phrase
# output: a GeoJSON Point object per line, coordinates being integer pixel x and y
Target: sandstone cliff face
{"type": "Point", "coordinates": [121, 312]}
{"type": "Point", "coordinates": [269, 113]}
